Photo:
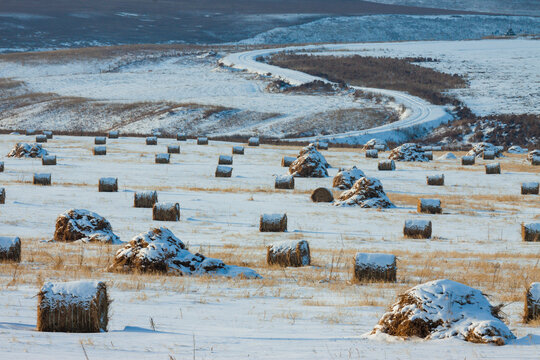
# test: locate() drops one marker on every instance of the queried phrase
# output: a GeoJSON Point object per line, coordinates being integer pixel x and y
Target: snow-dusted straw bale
{"type": "Point", "coordinates": [48, 160]}
{"type": "Point", "coordinates": [42, 179]}
{"type": "Point", "coordinates": [429, 155]}
{"type": "Point", "coordinates": [480, 148]}
{"type": "Point", "coordinates": [287, 161]}
{"type": "Point", "coordinates": [2, 195]}
{"type": "Point", "coordinates": [163, 158]}
{"type": "Point", "coordinates": [322, 145]}
{"type": "Point", "coordinates": [529, 188]}
{"type": "Point", "coordinates": [100, 150]}
{"type": "Point", "coordinates": [285, 182]}
{"type": "Point", "coordinates": [372, 153]}
{"type": "Point", "coordinates": [387, 165]}
{"type": "Point", "coordinates": [10, 249]}
{"type": "Point", "coordinates": [238, 150]}
{"type": "Point", "coordinates": [1, 166]}
{"type": "Point", "coordinates": [100, 140]}
{"type": "Point", "coordinates": [145, 199]}
{"type": "Point", "coordinates": [467, 160]}
{"type": "Point", "coordinates": [532, 154]}
{"type": "Point", "coordinates": [41, 138]}
{"type": "Point", "coordinates": [322, 194]}
{"type": "Point", "coordinates": [532, 303]}
{"type": "Point", "coordinates": [310, 163]}
{"type": "Point", "coordinates": [430, 206]}
{"type": "Point", "coordinates": [166, 211]}
{"type": "Point", "coordinates": [253, 141]}
{"type": "Point", "coordinates": [417, 229]}
{"type": "Point", "coordinates": [114, 134]}
{"type": "Point", "coordinates": [489, 155]}
{"type": "Point", "coordinates": [530, 232]}
{"type": "Point", "coordinates": [30, 132]}
{"type": "Point", "coordinates": [84, 226]}
{"type": "Point", "coordinates": [202, 140]}
{"type": "Point", "coordinates": [224, 171]}
{"type": "Point", "coordinates": [367, 192]}
{"type": "Point", "coordinates": [288, 253]}
{"type": "Point", "coordinates": [108, 184]}
{"type": "Point", "coordinates": [435, 180]}
{"type": "Point", "coordinates": [48, 134]}
{"type": "Point", "coordinates": [535, 160]}
{"type": "Point", "coordinates": [225, 160]}
{"type": "Point", "coordinates": [493, 168]}
{"type": "Point", "coordinates": [408, 152]}
{"type": "Point", "coordinates": [345, 178]}
{"type": "Point", "coordinates": [380, 147]}
{"type": "Point", "coordinates": [75, 306]}
{"type": "Point", "coordinates": [181, 136]}
{"type": "Point", "coordinates": [375, 144]}
{"type": "Point", "coordinates": [173, 149]}
{"type": "Point", "coordinates": [375, 267]}
{"type": "Point", "coordinates": [151, 140]}
{"type": "Point", "coordinates": [273, 223]}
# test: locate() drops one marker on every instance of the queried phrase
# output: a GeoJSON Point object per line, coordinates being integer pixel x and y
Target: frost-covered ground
{"type": "Point", "coordinates": [308, 313]}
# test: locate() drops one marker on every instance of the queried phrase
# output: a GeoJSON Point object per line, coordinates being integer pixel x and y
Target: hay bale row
{"type": "Point", "coordinates": [532, 303]}
{"type": "Point", "coordinates": [493, 168]}
{"type": "Point", "coordinates": [2, 195]}
{"type": "Point", "coordinates": [285, 182]}
{"type": "Point", "coordinates": [417, 229]}
{"type": "Point", "coordinates": [253, 141]}
{"type": "Point", "coordinates": [224, 171]}
{"type": "Point", "coordinates": [163, 158]}
{"type": "Point", "coordinates": [530, 232]}
{"type": "Point", "coordinates": [287, 161]}
{"type": "Point", "coordinates": [202, 140]}
{"type": "Point", "coordinates": [48, 134]}
{"type": "Point", "coordinates": [10, 249]}
{"type": "Point", "coordinates": [108, 184]}
{"type": "Point", "coordinates": [42, 179]}
{"type": "Point", "coordinates": [238, 150]}
{"type": "Point", "coordinates": [375, 267]}
{"type": "Point", "coordinates": [529, 188]}
{"type": "Point", "coordinates": [435, 180]}
{"type": "Point", "coordinates": [151, 140]}
{"type": "Point", "coordinates": [288, 253]}
{"type": "Point", "coordinates": [322, 194]}
{"type": "Point", "coordinates": [166, 212]}
{"type": "Point", "coordinates": [48, 160]}
{"type": "Point", "coordinates": [387, 165]}
{"type": "Point", "coordinates": [145, 199]}
{"type": "Point", "coordinates": [273, 223]}
{"type": "Point", "coordinates": [372, 153]}
{"type": "Point", "coordinates": [100, 150]}
{"type": "Point", "coordinates": [181, 136]}
{"type": "Point", "coordinates": [173, 149]}
{"type": "Point", "coordinates": [100, 140]}
{"type": "Point", "coordinates": [467, 160]}
{"type": "Point", "coordinates": [41, 138]}
{"type": "Point", "coordinates": [429, 206]}
{"type": "Point", "coordinates": [225, 160]}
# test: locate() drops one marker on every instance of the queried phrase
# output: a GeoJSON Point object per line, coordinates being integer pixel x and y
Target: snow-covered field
{"type": "Point", "coordinates": [306, 313]}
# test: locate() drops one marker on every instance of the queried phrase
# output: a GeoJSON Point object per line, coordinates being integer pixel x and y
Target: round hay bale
{"type": "Point", "coordinates": [30, 132]}
{"type": "Point", "coordinates": [273, 223]}
{"type": "Point", "coordinates": [238, 150]}
{"type": "Point", "coordinates": [2, 195]}
{"type": "Point", "coordinates": [181, 136]}
{"type": "Point", "coordinates": [48, 160]}
{"type": "Point", "coordinates": [372, 153]}
{"type": "Point", "coordinates": [202, 140]}
{"type": "Point", "coordinates": [10, 249]}
{"type": "Point", "coordinates": [76, 306]}
{"type": "Point", "coordinates": [530, 232]}
{"type": "Point", "coordinates": [322, 145]}
{"type": "Point", "coordinates": [379, 147]}
{"type": "Point", "coordinates": [173, 149]}
{"type": "Point", "coordinates": [467, 160]}
{"type": "Point", "coordinates": [100, 140]}
{"type": "Point", "coordinates": [100, 150]}
{"type": "Point", "coordinates": [489, 155]}
{"type": "Point", "coordinates": [42, 179]}
{"type": "Point", "coordinates": [532, 303]}
{"type": "Point", "coordinates": [224, 171]}
{"type": "Point", "coordinates": [163, 158]}
{"type": "Point", "coordinates": [84, 226]}
{"type": "Point", "coordinates": [535, 160]}
{"type": "Point", "coordinates": [287, 161]}
{"type": "Point", "coordinates": [435, 180]}
{"type": "Point", "coordinates": [493, 168]}
{"type": "Point", "coordinates": [225, 160]}
{"type": "Point", "coordinates": [322, 194]}
{"type": "Point", "coordinates": [108, 184]}
{"type": "Point", "coordinates": [375, 267]}
{"type": "Point", "coordinates": [429, 206]}
{"type": "Point", "coordinates": [417, 229]}
{"type": "Point", "coordinates": [166, 212]}
{"type": "Point", "coordinates": [386, 165]}
{"type": "Point", "coordinates": [529, 188]}
{"type": "Point", "coordinates": [114, 134]}
{"type": "Point", "coordinates": [151, 140]}
{"type": "Point", "coordinates": [288, 253]}
{"type": "Point", "coordinates": [41, 138]}
{"type": "Point", "coordinates": [1, 166]}
{"type": "Point", "coordinates": [48, 134]}
{"type": "Point", "coordinates": [428, 155]}
{"type": "Point", "coordinates": [253, 141]}
{"type": "Point", "coordinates": [145, 199]}
{"type": "Point", "coordinates": [285, 182]}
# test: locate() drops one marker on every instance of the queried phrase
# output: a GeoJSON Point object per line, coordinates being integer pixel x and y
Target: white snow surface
{"type": "Point", "coordinates": [374, 260]}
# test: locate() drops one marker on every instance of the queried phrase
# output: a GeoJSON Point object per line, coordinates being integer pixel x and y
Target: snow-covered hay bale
{"type": "Point", "coordinates": [181, 136]}
{"type": "Point", "coordinates": [159, 250]}
{"type": "Point", "coordinates": [529, 188]}
{"type": "Point", "coordinates": [41, 138]}
{"type": "Point", "coordinates": [225, 160]}
{"type": "Point", "coordinates": [166, 211]}
{"type": "Point", "coordinates": [173, 149]}
{"type": "Point", "coordinates": [417, 229]}
{"type": "Point", "coordinates": [467, 160]}
{"type": "Point", "coordinates": [375, 267]}
{"type": "Point", "coordinates": [27, 150]}
{"type": "Point", "coordinates": [386, 165]}
{"type": "Point", "coordinates": [100, 140]}
{"type": "Point", "coordinates": [429, 206]}
{"type": "Point", "coordinates": [273, 223]}
{"type": "Point", "coordinates": [288, 253]}
{"type": "Point", "coordinates": [489, 155]}
{"type": "Point", "coordinates": [443, 309]}
{"type": "Point", "coordinates": [375, 144]}
{"type": "Point", "coordinates": [493, 168]}
{"type": "Point", "coordinates": [75, 306]}
{"type": "Point", "coordinates": [435, 180]}
{"type": "Point", "coordinates": [447, 156]}
{"type": "Point", "coordinates": [479, 149]}
{"type": "Point", "coordinates": [532, 154]}
{"type": "Point", "coordinates": [345, 178]}
{"type": "Point", "coordinates": [253, 141]}
{"type": "Point", "coordinates": [408, 152]}
{"type": "Point", "coordinates": [202, 140]}
{"type": "Point", "coordinates": [48, 134]}
{"type": "Point", "coordinates": [516, 149]}
{"type": "Point", "coordinates": [145, 199]}
{"type": "Point", "coordinates": [322, 194]}
{"type": "Point", "coordinates": [108, 184]}
{"type": "Point", "coordinates": [42, 179]}
{"type": "Point", "coordinates": [151, 140]}
{"type": "Point", "coordinates": [429, 155]}
{"type": "Point", "coordinates": [310, 163]}
{"type": "Point", "coordinates": [367, 192]}
{"type": "Point", "coordinates": [114, 134]}
{"type": "Point", "coordinates": [285, 182]}
{"type": "Point", "coordinates": [287, 161]}
{"type": "Point", "coordinates": [84, 226]}
{"type": "Point", "coordinates": [100, 150]}
{"type": "Point", "coordinates": [532, 303]}
{"type": "Point", "coordinates": [224, 171]}
{"type": "Point", "coordinates": [2, 195]}
{"type": "Point", "coordinates": [535, 160]}
{"type": "Point", "coordinates": [30, 132]}
{"type": "Point", "coordinates": [163, 158]}
{"type": "Point", "coordinates": [238, 150]}
{"type": "Point", "coordinates": [530, 232]}
{"type": "Point", "coordinates": [1, 166]}
{"type": "Point", "coordinates": [48, 160]}
{"type": "Point", "coordinates": [372, 153]}
{"type": "Point", "coordinates": [10, 249]}
{"type": "Point", "coordinates": [322, 145]}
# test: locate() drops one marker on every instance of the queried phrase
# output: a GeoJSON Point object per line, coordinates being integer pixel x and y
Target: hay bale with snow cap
{"type": "Point", "coordinates": [114, 134]}
{"type": "Point", "coordinates": [166, 211]}
{"type": "Point", "coordinates": [286, 161]}
{"type": "Point", "coordinates": [2, 195]}
{"type": "Point", "coordinates": [408, 152]}
{"type": "Point", "coordinates": [428, 155]}
{"type": "Point", "coordinates": [10, 249]}
{"type": "Point", "coordinates": [529, 188]}
{"type": "Point", "coordinates": [225, 160]}
{"type": "Point", "coordinates": [429, 206]}
{"type": "Point", "coordinates": [375, 267]}
{"type": "Point", "coordinates": [108, 184]}
{"type": "Point", "coordinates": [181, 136]}
{"type": "Point", "coordinates": [84, 226]}
{"type": "Point", "coordinates": [173, 149]}
{"type": "Point", "coordinates": [372, 153]}
{"type": "Point", "coordinates": [202, 140]}
{"type": "Point", "coordinates": [253, 141]}
{"type": "Point", "coordinates": [47, 160]}
{"type": "Point", "coordinates": [479, 149]}
{"type": "Point", "coordinates": [1, 166]}
{"type": "Point", "coordinates": [417, 229]}
{"type": "Point", "coordinates": [145, 199]}
{"type": "Point", "coordinates": [288, 253]}
{"type": "Point", "coordinates": [532, 154]}
{"type": "Point", "coordinates": [444, 309]}
{"type": "Point", "coordinates": [310, 163]}
{"type": "Point", "coordinates": [488, 155]}
{"type": "Point", "coordinates": [100, 140]}
{"type": "Point", "coordinates": [30, 132]}
{"type": "Point", "coordinates": [163, 158]}
{"type": "Point", "coordinates": [100, 150]}
{"type": "Point", "coordinates": [238, 150]}
{"type": "Point", "coordinates": [42, 179]}
{"type": "Point", "coordinates": [322, 145]}
{"type": "Point", "coordinates": [151, 140]}
{"type": "Point", "coordinates": [435, 180]}
{"type": "Point", "coordinates": [48, 134]}
{"type": "Point", "coordinates": [493, 168]}
{"type": "Point", "coordinates": [346, 177]}
{"type": "Point", "coordinates": [530, 232]}
{"type": "Point", "coordinates": [223, 171]}
{"type": "Point", "coordinates": [75, 306]}
{"type": "Point", "coordinates": [532, 303]}
{"type": "Point", "coordinates": [367, 192]}
{"type": "Point", "coordinates": [467, 160]}
{"type": "Point", "coordinates": [273, 223]}
{"type": "Point", "coordinates": [322, 194]}
{"type": "Point", "coordinates": [41, 138]}
{"type": "Point", "coordinates": [535, 160]}
{"type": "Point", "coordinates": [27, 150]}
{"type": "Point", "coordinates": [375, 144]}
{"type": "Point", "coordinates": [386, 165]}
{"type": "Point", "coordinates": [284, 182]}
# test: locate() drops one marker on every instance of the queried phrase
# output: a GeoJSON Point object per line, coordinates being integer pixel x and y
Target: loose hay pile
{"type": "Point", "coordinates": [100, 150]}
{"type": "Point", "coordinates": [429, 206]}
{"type": "Point", "coordinates": [288, 253]}
{"type": "Point", "coordinates": [238, 150]}
{"type": "Point", "coordinates": [27, 150]}
{"type": "Point", "coordinates": [530, 232]}
{"type": "Point", "coordinates": [417, 229]}
{"type": "Point", "coordinates": [42, 179]}
{"type": "Point", "coordinates": [435, 180]}
{"type": "Point", "coordinates": [158, 250]}
{"type": "Point", "coordinates": [386, 165]}
{"type": "Point", "coordinates": [10, 249]}
{"type": "Point", "coordinates": [76, 306]}
{"type": "Point", "coordinates": [166, 212]}
{"type": "Point", "coordinates": [408, 152]}
{"type": "Point", "coordinates": [223, 171]}
{"type": "Point", "coordinates": [48, 160]}
{"type": "Point", "coordinates": [84, 226]}
{"type": "Point", "coordinates": [367, 192]}
{"type": "Point", "coordinates": [273, 223]}
{"type": "Point", "coordinates": [443, 309]}
{"type": "Point", "coordinates": [532, 303]}
{"type": "Point", "coordinates": [225, 160]}
{"type": "Point", "coordinates": [287, 161]}
{"type": "Point", "coordinates": [322, 194]}
{"type": "Point", "coordinates": [479, 149]}
{"type": "Point", "coordinates": [108, 184]}
{"type": "Point", "coordinates": [345, 178]}
{"type": "Point", "coordinates": [285, 182]}
{"type": "Point", "coordinates": [530, 188]}
{"type": "Point", "coordinates": [145, 199]}
{"type": "Point", "coordinates": [310, 163]}
{"type": "Point", "coordinates": [375, 267]}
